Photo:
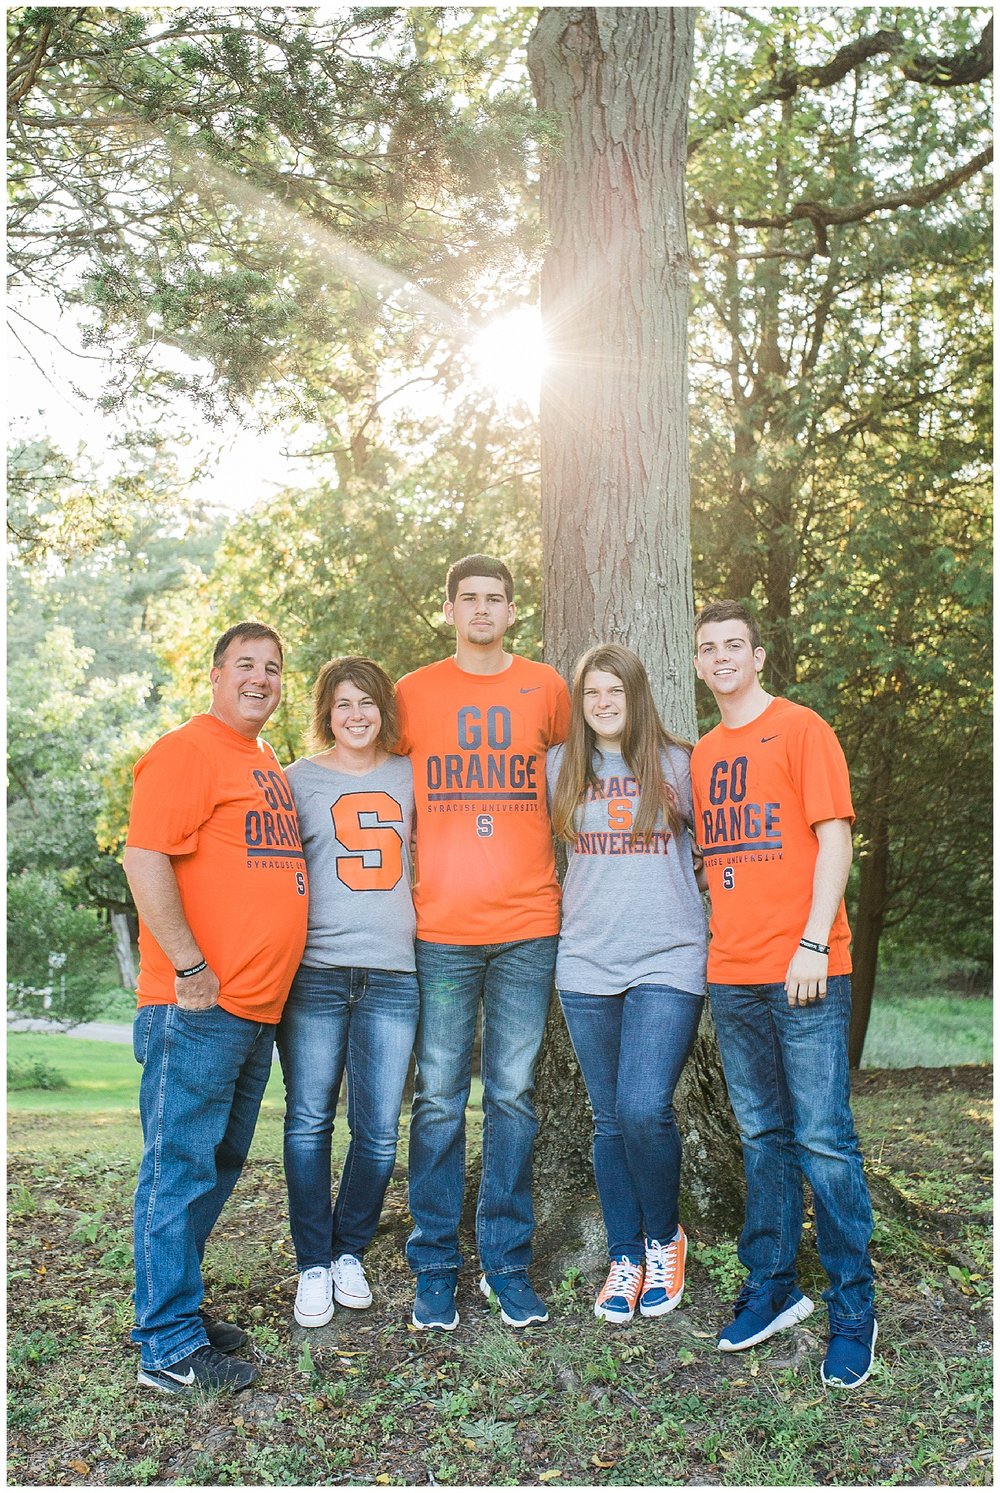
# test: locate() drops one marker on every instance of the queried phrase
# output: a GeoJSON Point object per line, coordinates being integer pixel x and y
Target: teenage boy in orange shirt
{"type": "Point", "coordinates": [773, 818]}
{"type": "Point", "coordinates": [477, 727]}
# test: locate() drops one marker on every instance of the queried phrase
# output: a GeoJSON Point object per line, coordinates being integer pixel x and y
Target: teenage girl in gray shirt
{"type": "Point", "coordinates": [354, 1002]}
{"type": "Point", "coordinates": [631, 964]}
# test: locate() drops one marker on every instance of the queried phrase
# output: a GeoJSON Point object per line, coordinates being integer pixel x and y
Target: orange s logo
{"type": "Point", "coordinates": [619, 813]}
{"type": "Point", "coordinates": [375, 863]}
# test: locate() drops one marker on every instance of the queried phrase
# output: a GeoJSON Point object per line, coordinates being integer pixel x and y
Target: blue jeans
{"type": "Point", "coordinates": [514, 983]}
{"type": "Point", "coordinates": [631, 1049]}
{"type": "Point", "coordinates": [788, 1078]}
{"type": "Point", "coordinates": [203, 1077]}
{"type": "Point", "coordinates": [364, 1020]}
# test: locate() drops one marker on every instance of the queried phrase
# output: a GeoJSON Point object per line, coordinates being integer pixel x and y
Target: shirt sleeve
{"type": "Point", "coordinates": [173, 795]}
{"type": "Point", "coordinates": [680, 779]}
{"type": "Point", "coordinates": [559, 712]}
{"type": "Point", "coordinates": [553, 757]}
{"type": "Point", "coordinates": [404, 745]}
{"type": "Point", "coordinates": [823, 780]}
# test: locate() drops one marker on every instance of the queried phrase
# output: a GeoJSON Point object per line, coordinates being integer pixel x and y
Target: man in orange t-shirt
{"type": "Point", "coordinates": [773, 819]}
{"type": "Point", "coordinates": [477, 727]}
{"type": "Point", "coordinates": [215, 865]}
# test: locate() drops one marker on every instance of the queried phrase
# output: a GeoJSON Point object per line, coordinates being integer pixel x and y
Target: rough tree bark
{"type": "Point", "coordinates": [615, 482]}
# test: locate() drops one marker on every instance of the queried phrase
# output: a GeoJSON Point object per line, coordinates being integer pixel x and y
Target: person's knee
{"type": "Point", "coordinates": [639, 1118]}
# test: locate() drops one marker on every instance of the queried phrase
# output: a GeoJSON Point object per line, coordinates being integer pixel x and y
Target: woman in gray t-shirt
{"type": "Point", "coordinates": [354, 1001]}
{"type": "Point", "coordinates": [631, 964]}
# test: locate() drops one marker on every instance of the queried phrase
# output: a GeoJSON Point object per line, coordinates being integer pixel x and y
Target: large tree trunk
{"type": "Point", "coordinates": [123, 948]}
{"type": "Point", "coordinates": [869, 916]}
{"type": "Point", "coordinates": [614, 433]}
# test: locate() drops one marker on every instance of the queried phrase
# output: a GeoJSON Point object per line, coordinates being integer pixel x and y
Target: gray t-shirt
{"type": "Point", "coordinates": [356, 834]}
{"type": "Point", "coordinates": [632, 914]}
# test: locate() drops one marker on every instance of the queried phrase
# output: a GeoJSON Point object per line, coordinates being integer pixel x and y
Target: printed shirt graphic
{"type": "Point", "coordinates": [632, 911]}
{"type": "Point", "coordinates": [485, 863]}
{"type": "Point", "coordinates": [758, 790]}
{"type": "Point", "coordinates": [356, 833]}
{"type": "Point", "coordinates": [220, 807]}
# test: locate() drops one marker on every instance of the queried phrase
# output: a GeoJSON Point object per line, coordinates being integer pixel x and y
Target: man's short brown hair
{"type": "Point", "coordinates": [478, 565]}
{"type": "Point", "coordinates": [728, 611]}
{"type": "Point", "coordinates": [250, 631]}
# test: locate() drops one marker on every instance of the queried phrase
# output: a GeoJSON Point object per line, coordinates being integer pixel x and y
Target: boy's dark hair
{"type": "Point", "coordinates": [250, 631]}
{"type": "Point", "coordinates": [728, 611]}
{"type": "Point", "coordinates": [478, 565]}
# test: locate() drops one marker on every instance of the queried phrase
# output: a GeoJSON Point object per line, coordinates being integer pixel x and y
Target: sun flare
{"type": "Point", "coordinates": [509, 355]}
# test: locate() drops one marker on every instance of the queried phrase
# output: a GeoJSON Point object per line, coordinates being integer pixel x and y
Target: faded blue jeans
{"type": "Point", "coordinates": [514, 983]}
{"type": "Point", "coordinates": [631, 1049]}
{"type": "Point", "coordinates": [789, 1082]}
{"type": "Point", "coordinates": [203, 1076]}
{"type": "Point", "coordinates": [363, 1020]}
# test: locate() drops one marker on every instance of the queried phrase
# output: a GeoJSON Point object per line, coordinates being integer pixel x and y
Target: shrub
{"type": "Point", "coordinates": [34, 1073]}
{"type": "Point", "coordinates": [57, 952]}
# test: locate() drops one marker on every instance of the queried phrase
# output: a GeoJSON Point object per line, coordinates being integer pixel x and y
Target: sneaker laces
{"type": "Point", "coordinates": [351, 1271]}
{"type": "Point", "coordinates": [661, 1263]}
{"type": "Point", "coordinates": [621, 1278]}
{"type": "Point", "coordinates": [859, 1331]}
{"type": "Point", "coordinates": [441, 1279]}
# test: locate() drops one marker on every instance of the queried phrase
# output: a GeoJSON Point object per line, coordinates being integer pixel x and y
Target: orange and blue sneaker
{"type": "Point", "coordinates": [664, 1275]}
{"type": "Point", "coordinates": [617, 1298]}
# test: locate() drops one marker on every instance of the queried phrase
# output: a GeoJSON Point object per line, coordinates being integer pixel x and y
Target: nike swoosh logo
{"type": "Point", "coordinates": [770, 738]}
{"type": "Point", "coordinates": [187, 1378]}
{"type": "Point", "coordinates": [531, 690]}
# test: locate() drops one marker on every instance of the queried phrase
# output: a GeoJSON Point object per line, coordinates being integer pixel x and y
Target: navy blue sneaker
{"type": "Point", "coordinates": [751, 1326]}
{"type": "Point", "coordinates": [520, 1304]}
{"type": "Point", "coordinates": [434, 1303]}
{"type": "Point", "coordinates": [850, 1353]}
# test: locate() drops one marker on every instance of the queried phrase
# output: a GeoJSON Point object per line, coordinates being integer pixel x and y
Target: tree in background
{"type": "Point", "coordinates": [95, 573]}
{"type": "Point", "coordinates": [841, 354]}
{"type": "Point", "coordinates": [316, 212]}
{"type": "Point", "coordinates": [614, 438]}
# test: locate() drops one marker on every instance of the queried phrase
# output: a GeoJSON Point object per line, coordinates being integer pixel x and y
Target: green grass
{"type": "Point", "coordinates": [369, 1401]}
{"type": "Point", "coordinates": [932, 1031]}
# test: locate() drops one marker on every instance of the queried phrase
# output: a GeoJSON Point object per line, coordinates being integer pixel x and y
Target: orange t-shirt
{"type": "Point", "coordinates": [485, 864]}
{"type": "Point", "coordinates": [220, 807]}
{"type": "Point", "coordinates": [758, 791]}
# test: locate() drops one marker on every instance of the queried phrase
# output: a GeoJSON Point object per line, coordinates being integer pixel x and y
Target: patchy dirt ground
{"type": "Point", "coordinates": [369, 1401]}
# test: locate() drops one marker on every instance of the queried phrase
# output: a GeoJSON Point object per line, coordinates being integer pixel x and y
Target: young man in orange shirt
{"type": "Point", "coordinates": [773, 818]}
{"type": "Point", "coordinates": [214, 861]}
{"type": "Point", "coordinates": [477, 727]}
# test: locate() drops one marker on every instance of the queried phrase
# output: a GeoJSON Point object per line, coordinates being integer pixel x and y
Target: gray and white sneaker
{"type": "Point", "coordinates": [314, 1297]}
{"type": "Point", "coordinates": [350, 1284]}
{"type": "Point", "coordinates": [206, 1369]}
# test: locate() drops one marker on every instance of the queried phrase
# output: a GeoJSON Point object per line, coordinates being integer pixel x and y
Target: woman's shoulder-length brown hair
{"type": "Point", "coordinates": [365, 674]}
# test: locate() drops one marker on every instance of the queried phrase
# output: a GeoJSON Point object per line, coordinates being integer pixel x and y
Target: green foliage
{"type": "Point", "coordinates": [96, 575]}
{"type": "Point", "coordinates": [34, 1074]}
{"type": "Point", "coordinates": [57, 952]}
{"type": "Point", "coordinates": [293, 176]}
{"type": "Point", "coordinates": [358, 565]}
{"type": "Point", "coordinates": [841, 426]}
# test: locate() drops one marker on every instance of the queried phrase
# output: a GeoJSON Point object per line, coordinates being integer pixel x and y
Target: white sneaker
{"type": "Point", "coordinates": [350, 1284]}
{"type": "Point", "coordinates": [314, 1298]}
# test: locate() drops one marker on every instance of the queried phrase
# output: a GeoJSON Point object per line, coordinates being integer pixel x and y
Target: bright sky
{"type": "Point", "coordinates": [53, 390]}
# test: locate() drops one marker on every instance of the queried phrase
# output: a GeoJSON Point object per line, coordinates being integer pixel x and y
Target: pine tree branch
{"type": "Point", "coordinates": [970, 66]}
{"type": "Point", "coordinates": [823, 216]}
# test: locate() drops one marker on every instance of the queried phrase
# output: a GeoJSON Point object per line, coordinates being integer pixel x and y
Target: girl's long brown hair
{"type": "Point", "coordinates": [644, 737]}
